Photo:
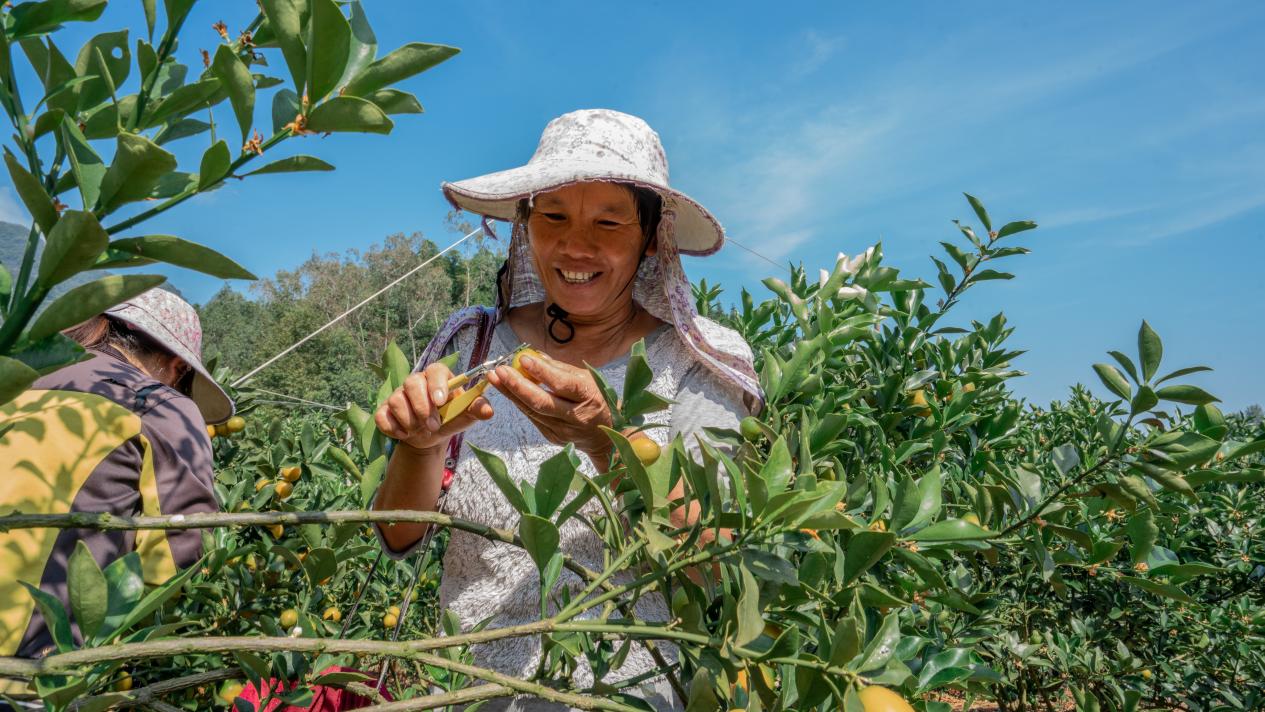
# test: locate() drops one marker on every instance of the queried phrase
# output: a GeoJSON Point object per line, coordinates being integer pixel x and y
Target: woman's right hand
{"type": "Point", "coordinates": [411, 414]}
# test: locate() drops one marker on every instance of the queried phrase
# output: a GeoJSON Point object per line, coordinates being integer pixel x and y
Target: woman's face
{"type": "Point", "coordinates": [586, 239]}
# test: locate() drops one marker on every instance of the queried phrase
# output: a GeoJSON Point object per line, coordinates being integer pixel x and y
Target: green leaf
{"type": "Point", "coordinates": [1142, 533]}
{"type": "Point", "coordinates": [952, 530]}
{"type": "Point", "coordinates": [182, 253]}
{"type": "Point", "coordinates": [151, 16]}
{"type": "Point", "coordinates": [1126, 363]}
{"type": "Point", "coordinates": [411, 59]}
{"type": "Point", "coordinates": [33, 18]}
{"type": "Point", "coordinates": [364, 45]}
{"type": "Point", "coordinates": [330, 42]}
{"type": "Point", "coordinates": [776, 471]}
{"type": "Point", "coordinates": [182, 101]}
{"type": "Point", "coordinates": [239, 84]}
{"type": "Point", "coordinates": [214, 166]}
{"type": "Point", "coordinates": [540, 538]}
{"type": "Point", "coordinates": [1150, 350]}
{"type": "Point", "coordinates": [15, 377]}
{"type": "Point", "coordinates": [865, 548]}
{"type": "Point", "coordinates": [980, 212]}
{"type": "Point", "coordinates": [371, 479]}
{"type": "Point", "coordinates": [750, 622]}
{"type": "Point", "coordinates": [394, 101]}
{"type": "Point", "coordinates": [929, 498]}
{"type": "Point", "coordinates": [293, 164]}
{"type": "Point", "coordinates": [1114, 380]}
{"type": "Point", "coordinates": [32, 193]}
{"type": "Point", "coordinates": [85, 165]}
{"type": "Point", "coordinates": [88, 300]}
{"type": "Point", "coordinates": [73, 245]}
{"type": "Point", "coordinates": [150, 603]}
{"type": "Point", "coordinates": [183, 128]}
{"type": "Point", "coordinates": [1160, 589]}
{"type": "Point", "coordinates": [87, 590]}
{"type": "Point", "coordinates": [349, 113]}
{"type": "Point", "coordinates": [500, 476]}
{"type": "Point", "coordinates": [54, 617]}
{"type": "Point", "coordinates": [111, 75]}
{"type": "Point", "coordinates": [553, 482]}
{"type": "Point", "coordinates": [1011, 228]}
{"type": "Point", "coordinates": [286, 20]}
{"type": "Point", "coordinates": [1246, 449]}
{"type": "Point", "coordinates": [881, 647]}
{"type": "Point", "coordinates": [1190, 395]}
{"type": "Point", "coordinates": [285, 107]}
{"type": "Point", "coordinates": [1182, 372]}
{"type": "Point", "coordinates": [138, 166]}
{"type": "Point", "coordinates": [1144, 400]}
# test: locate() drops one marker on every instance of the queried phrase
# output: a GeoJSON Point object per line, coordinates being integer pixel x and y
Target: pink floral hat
{"type": "Point", "coordinates": [172, 322]}
{"type": "Point", "coordinates": [605, 145]}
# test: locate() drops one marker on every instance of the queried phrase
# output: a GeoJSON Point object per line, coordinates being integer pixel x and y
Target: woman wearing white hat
{"type": "Point", "coordinates": [593, 267]}
{"type": "Point", "coordinates": [122, 432]}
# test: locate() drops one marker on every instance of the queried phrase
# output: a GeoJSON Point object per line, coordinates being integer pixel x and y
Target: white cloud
{"type": "Point", "coordinates": [817, 50]}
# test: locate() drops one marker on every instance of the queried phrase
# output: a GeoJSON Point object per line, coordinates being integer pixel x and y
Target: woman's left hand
{"type": "Point", "coordinates": [572, 410]}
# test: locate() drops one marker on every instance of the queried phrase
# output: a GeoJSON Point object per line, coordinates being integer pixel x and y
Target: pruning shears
{"type": "Point", "coordinates": [478, 377]}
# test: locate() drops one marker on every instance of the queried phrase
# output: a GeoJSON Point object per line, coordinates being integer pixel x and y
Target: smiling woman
{"type": "Point", "coordinates": [593, 267]}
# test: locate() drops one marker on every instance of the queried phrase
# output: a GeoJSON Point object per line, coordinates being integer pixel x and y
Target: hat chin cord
{"type": "Point", "coordinates": [557, 315]}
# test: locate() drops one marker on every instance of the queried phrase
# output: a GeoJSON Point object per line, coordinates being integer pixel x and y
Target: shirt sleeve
{"type": "Point", "coordinates": [183, 479]}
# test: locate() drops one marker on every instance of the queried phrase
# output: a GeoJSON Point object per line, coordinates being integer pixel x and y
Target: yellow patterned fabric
{"type": "Point", "coordinates": [55, 441]}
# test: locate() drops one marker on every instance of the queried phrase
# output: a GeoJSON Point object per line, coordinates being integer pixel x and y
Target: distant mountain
{"type": "Point", "coordinates": [13, 246]}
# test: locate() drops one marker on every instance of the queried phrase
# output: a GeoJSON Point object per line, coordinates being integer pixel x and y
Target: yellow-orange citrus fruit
{"type": "Point", "coordinates": [919, 398]}
{"type": "Point", "coordinates": [251, 563]}
{"type": "Point", "coordinates": [881, 699]}
{"type": "Point", "coordinates": [968, 387]}
{"type": "Point", "coordinates": [235, 424]}
{"type": "Point", "coordinates": [740, 682]}
{"type": "Point", "coordinates": [221, 430]}
{"type": "Point", "coordinates": [971, 518]}
{"type": "Point", "coordinates": [261, 483]}
{"type": "Point", "coordinates": [284, 489]}
{"type": "Point", "coordinates": [646, 450]}
{"type": "Point", "coordinates": [517, 363]}
{"type": "Point", "coordinates": [289, 618]}
{"type": "Point", "coordinates": [389, 621]}
{"type": "Point", "coordinates": [210, 431]}
{"type": "Point", "coordinates": [1146, 674]}
{"type": "Point", "coordinates": [394, 610]}
{"type": "Point", "coordinates": [230, 692]}
{"type": "Point", "coordinates": [291, 474]}
{"type": "Point", "coordinates": [277, 530]}
{"type": "Point", "coordinates": [124, 683]}
{"type": "Point", "coordinates": [332, 614]}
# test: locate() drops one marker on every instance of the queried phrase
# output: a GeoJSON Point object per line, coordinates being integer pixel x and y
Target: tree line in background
{"type": "Point", "coordinates": [245, 330]}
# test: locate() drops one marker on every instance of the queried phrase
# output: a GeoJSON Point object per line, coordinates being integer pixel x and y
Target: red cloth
{"type": "Point", "coordinates": [324, 698]}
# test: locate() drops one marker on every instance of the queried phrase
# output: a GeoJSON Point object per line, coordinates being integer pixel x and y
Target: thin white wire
{"type": "Point", "coordinates": [301, 400]}
{"type": "Point", "coordinates": [757, 254]}
{"type": "Point", "coordinates": [340, 317]}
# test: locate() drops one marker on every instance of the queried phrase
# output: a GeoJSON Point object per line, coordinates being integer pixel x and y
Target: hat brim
{"type": "Point", "coordinates": [212, 400]}
{"type": "Point", "coordinates": [496, 195]}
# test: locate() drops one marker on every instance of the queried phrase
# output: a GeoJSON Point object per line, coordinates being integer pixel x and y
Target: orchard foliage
{"type": "Point", "coordinates": [893, 517]}
{"type": "Point", "coordinates": [91, 159]}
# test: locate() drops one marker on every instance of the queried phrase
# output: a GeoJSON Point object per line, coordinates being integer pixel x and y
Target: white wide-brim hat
{"type": "Point", "coordinates": [605, 145]}
{"type": "Point", "coordinates": [591, 145]}
{"type": "Point", "coordinates": [173, 323]}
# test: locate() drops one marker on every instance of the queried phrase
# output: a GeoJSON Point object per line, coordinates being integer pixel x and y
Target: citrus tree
{"type": "Point", "coordinates": [90, 159]}
{"type": "Point", "coordinates": [893, 527]}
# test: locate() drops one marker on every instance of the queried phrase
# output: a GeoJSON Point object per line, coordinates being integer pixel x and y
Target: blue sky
{"type": "Point", "coordinates": [1134, 133]}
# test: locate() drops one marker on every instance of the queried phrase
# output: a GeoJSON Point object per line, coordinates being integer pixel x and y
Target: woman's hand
{"type": "Point", "coordinates": [572, 410]}
{"type": "Point", "coordinates": [411, 413]}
